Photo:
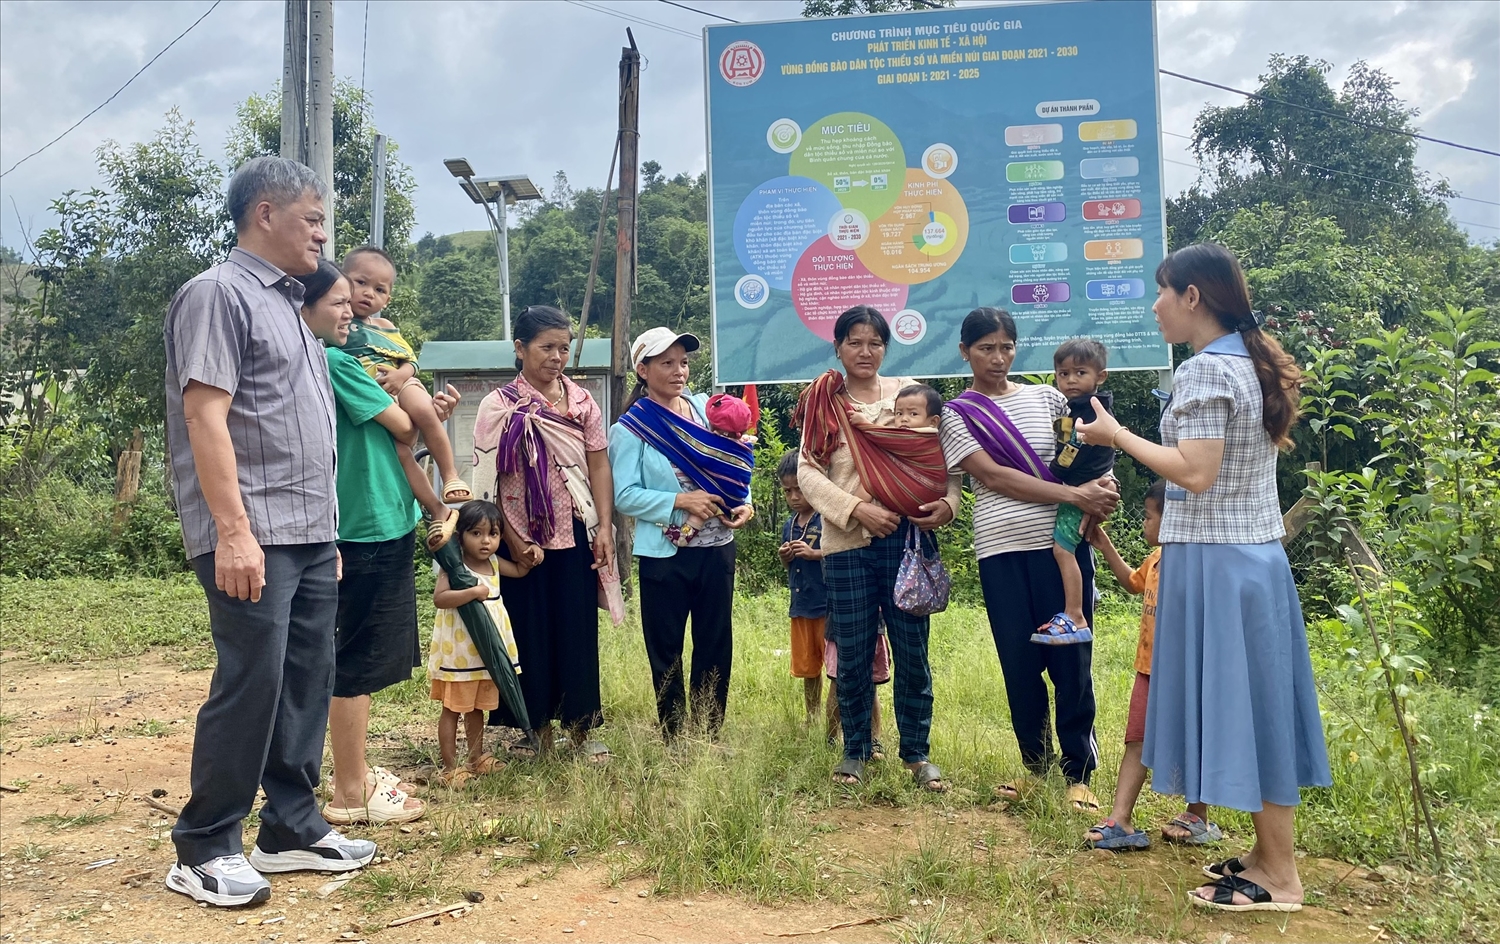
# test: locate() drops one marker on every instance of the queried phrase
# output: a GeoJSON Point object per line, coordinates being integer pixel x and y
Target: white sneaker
{"type": "Point", "coordinates": [333, 853]}
{"type": "Point", "coordinates": [226, 881]}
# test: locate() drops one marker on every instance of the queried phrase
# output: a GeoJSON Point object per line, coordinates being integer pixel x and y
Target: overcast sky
{"type": "Point", "coordinates": [531, 87]}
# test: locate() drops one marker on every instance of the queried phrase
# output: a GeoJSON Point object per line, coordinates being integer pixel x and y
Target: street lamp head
{"type": "Point", "coordinates": [475, 194]}
{"type": "Point", "coordinates": [515, 188]}
{"type": "Point", "coordinates": [459, 167]}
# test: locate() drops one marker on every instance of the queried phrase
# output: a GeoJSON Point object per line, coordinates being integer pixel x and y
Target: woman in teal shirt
{"type": "Point", "coordinates": [695, 580]}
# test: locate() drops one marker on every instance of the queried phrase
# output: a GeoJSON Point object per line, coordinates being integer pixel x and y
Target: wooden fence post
{"type": "Point", "coordinates": [128, 479]}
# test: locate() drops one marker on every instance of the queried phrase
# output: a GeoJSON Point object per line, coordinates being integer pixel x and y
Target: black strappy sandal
{"type": "Point", "coordinates": [1260, 899]}
{"type": "Point", "coordinates": [1225, 869]}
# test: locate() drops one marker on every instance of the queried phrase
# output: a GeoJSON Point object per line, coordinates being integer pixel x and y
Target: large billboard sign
{"type": "Point", "coordinates": [929, 163]}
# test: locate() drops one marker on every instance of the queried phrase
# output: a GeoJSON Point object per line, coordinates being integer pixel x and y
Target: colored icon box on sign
{"type": "Point", "coordinates": [1037, 213]}
{"type": "Point", "coordinates": [1109, 289]}
{"type": "Point", "coordinates": [1022, 172]}
{"type": "Point", "coordinates": [1022, 253]}
{"type": "Point", "coordinates": [1039, 293]}
{"type": "Point", "coordinates": [1122, 129]}
{"type": "Point", "coordinates": [1093, 168]}
{"type": "Point", "coordinates": [1108, 250]}
{"type": "Point", "coordinates": [1025, 135]}
{"type": "Point", "coordinates": [1111, 209]}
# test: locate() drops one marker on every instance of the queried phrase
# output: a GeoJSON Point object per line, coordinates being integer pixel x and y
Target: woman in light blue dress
{"type": "Point", "coordinates": [1232, 718]}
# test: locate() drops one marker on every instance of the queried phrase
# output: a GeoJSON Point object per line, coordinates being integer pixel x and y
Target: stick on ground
{"type": "Point", "coordinates": [161, 807]}
{"type": "Point", "coordinates": [879, 919]}
{"type": "Point", "coordinates": [434, 913]}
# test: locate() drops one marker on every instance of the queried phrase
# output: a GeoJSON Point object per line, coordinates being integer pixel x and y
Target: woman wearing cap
{"type": "Point", "coordinates": [852, 451]}
{"type": "Point", "coordinates": [668, 466]}
{"type": "Point", "coordinates": [539, 453]}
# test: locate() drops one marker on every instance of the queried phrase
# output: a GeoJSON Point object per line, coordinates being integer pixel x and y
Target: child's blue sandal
{"type": "Point", "coordinates": [1060, 630]}
{"type": "Point", "coordinates": [1112, 836]}
{"type": "Point", "coordinates": [1200, 832]}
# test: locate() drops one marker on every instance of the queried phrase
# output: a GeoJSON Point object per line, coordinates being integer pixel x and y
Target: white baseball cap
{"type": "Point", "coordinates": [657, 340]}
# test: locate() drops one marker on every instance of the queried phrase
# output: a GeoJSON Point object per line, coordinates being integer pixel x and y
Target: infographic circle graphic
{"type": "Point", "coordinates": [921, 236]}
{"type": "Point", "coordinates": [939, 234]}
{"type": "Point", "coordinates": [776, 223]}
{"type": "Point", "coordinates": [751, 292]}
{"type": "Point", "coordinates": [909, 326]}
{"type": "Point", "coordinates": [848, 229]}
{"type": "Point", "coordinates": [828, 281]}
{"type": "Point", "coordinates": [854, 155]}
{"type": "Point", "coordinates": [742, 63]}
{"type": "Point", "coordinates": [939, 161]}
{"type": "Point", "coordinates": [784, 135]}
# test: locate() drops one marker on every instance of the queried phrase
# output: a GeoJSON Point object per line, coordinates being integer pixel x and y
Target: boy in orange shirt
{"type": "Point", "coordinates": [1191, 827]}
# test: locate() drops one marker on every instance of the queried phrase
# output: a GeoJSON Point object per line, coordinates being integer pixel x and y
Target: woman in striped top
{"type": "Point", "coordinates": [1014, 513]}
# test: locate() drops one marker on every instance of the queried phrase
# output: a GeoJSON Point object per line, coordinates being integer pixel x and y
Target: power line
{"type": "Point", "coordinates": [1290, 189]}
{"type": "Point", "coordinates": [597, 8]}
{"type": "Point", "coordinates": [117, 91]}
{"type": "Point", "coordinates": [1349, 173]}
{"type": "Point", "coordinates": [1328, 114]}
{"type": "Point", "coordinates": [684, 6]}
{"type": "Point", "coordinates": [364, 54]}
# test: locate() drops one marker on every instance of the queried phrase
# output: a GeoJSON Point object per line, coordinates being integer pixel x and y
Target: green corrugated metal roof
{"type": "Point", "coordinates": [499, 355]}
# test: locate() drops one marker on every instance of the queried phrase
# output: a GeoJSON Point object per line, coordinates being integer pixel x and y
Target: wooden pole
{"type": "Point", "coordinates": [630, 79]}
{"type": "Point", "coordinates": [588, 289]}
{"type": "Point", "coordinates": [620, 369]}
{"type": "Point", "coordinates": [294, 83]}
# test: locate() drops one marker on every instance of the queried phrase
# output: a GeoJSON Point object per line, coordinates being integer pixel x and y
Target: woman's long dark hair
{"type": "Point", "coordinates": [983, 322]}
{"type": "Point", "coordinates": [319, 282]}
{"type": "Point", "coordinates": [861, 315]}
{"type": "Point", "coordinates": [534, 319]}
{"type": "Point", "coordinates": [1221, 285]}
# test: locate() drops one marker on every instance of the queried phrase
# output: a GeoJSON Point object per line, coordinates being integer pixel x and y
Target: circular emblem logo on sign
{"type": "Point", "coordinates": [784, 135]}
{"type": "Point", "coordinates": [751, 291]}
{"type": "Point", "coordinates": [909, 326]}
{"type": "Point", "coordinates": [939, 161]}
{"type": "Point", "coordinates": [742, 63]}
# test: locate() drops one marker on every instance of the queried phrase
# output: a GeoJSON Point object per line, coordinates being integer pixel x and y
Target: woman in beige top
{"type": "Point", "coordinates": [863, 540]}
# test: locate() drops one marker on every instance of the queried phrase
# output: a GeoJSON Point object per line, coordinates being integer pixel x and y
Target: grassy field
{"type": "Point", "coordinates": [762, 820]}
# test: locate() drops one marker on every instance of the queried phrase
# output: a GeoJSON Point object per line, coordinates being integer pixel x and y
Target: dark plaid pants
{"type": "Point", "coordinates": [860, 586]}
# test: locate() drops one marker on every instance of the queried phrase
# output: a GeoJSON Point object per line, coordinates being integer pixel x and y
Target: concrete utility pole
{"type": "Point", "coordinates": [630, 139]}
{"type": "Point", "coordinates": [377, 196]}
{"type": "Point", "coordinates": [294, 83]}
{"type": "Point", "coordinates": [320, 112]}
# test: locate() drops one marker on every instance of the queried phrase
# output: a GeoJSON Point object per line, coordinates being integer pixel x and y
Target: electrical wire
{"type": "Point", "coordinates": [1328, 114]}
{"type": "Point", "coordinates": [117, 91]}
{"type": "Point", "coordinates": [1290, 189]}
{"type": "Point", "coordinates": [608, 11]}
{"type": "Point", "coordinates": [1350, 173]}
{"type": "Point", "coordinates": [364, 54]}
{"type": "Point", "coordinates": [684, 6]}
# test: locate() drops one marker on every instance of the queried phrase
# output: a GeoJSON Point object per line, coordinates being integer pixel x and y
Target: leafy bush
{"type": "Point", "coordinates": [1430, 499]}
{"type": "Point", "coordinates": [63, 529]}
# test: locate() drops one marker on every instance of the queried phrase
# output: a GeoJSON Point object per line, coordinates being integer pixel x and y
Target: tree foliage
{"type": "Point", "coordinates": [258, 132]}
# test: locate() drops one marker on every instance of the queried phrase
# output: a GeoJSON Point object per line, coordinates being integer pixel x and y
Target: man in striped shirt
{"type": "Point", "coordinates": [250, 431]}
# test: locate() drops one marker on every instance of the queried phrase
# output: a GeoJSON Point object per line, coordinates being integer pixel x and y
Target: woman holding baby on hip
{"type": "Point", "coordinates": [1004, 435]}
{"type": "Point", "coordinates": [682, 469]}
{"type": "Point", "coordinates": [872, 466]}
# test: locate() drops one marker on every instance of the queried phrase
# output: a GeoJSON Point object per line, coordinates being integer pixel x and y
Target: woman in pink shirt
{"type": "Point", "coordinates": [540, 454]}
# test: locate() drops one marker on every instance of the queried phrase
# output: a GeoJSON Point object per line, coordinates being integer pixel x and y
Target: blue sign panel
{"type": "Point", "coordinates": [927, 164]}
